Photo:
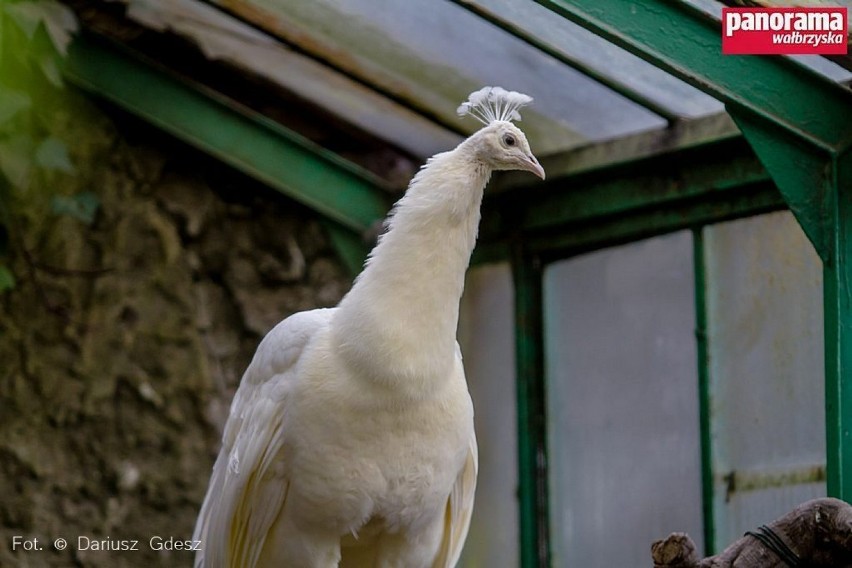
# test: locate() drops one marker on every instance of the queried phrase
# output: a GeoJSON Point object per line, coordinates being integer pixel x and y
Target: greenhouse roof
{"type": "Point", "coordinates": [336, 103]}
{"type": "Point", "coordinates": [400, 69]}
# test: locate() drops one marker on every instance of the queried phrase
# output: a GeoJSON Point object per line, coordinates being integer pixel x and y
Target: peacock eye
{"type": "Point", "coordinates": [509, 140]}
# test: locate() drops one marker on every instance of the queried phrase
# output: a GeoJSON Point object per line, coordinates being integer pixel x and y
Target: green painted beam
{"type": "Point", "coordinates": [653, 185]}
{"type": "Point", "coordinates": [532, 426]}
{"type": "Point", "coordinates": [704, 398]}
{"type": "Point", "coordinates": [678, 181]}
{"type": "Point", "coordinates": [253, 144]}
{"type": "Point", "coordinates": [644, 223]}
{"type": "Point", "coordinates": [802, 173]}
{"type": "Point", "coordinates": [837, 292]}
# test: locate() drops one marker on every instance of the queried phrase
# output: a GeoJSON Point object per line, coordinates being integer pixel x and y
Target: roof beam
{"type": "Point", "coordinates": [238, 136]}
{"type": "Point", "coordinates": [598, 203]}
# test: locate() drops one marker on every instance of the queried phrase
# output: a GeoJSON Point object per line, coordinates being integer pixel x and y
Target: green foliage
{"type": "Point", "coordinates": [7, 279]}
{"type": "Point", "coordinates": [34, 158]}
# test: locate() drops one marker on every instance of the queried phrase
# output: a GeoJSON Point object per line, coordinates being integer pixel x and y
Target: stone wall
{"type": "Point", "coordinates": [123, 341]}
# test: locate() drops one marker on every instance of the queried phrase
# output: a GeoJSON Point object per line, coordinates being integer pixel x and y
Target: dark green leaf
{"type": "Point", "coordinates": [11, 103]}
{"type": "Point", "coordinates": [51, 70]}
{"type": "Point", "coordinates": [7, 279]}
{"type": "Point", "coordinates": [26, 15]}
{"type": "Point", "coordinates": [82, 206]}
{"type": "Point", "coordinates": [16, 160]}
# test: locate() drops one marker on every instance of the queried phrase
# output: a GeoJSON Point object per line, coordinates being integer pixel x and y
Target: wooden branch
{"type": "Point", "coordinates": [819, 532]}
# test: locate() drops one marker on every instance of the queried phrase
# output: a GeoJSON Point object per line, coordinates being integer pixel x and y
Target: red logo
{"type": "Point", "coordinates": [789, 31]}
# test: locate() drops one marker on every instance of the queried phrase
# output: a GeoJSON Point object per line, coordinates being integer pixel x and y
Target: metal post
{"type": "Point", "coordinates": [704, 418]}
{"type": "Point", "coordinates": [837, 286]}
{"type": "Point", "coordinates": [532, 425]}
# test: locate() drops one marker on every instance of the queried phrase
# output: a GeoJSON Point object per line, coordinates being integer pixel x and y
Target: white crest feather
{"type": "Point", "coordinates": [490, 104]}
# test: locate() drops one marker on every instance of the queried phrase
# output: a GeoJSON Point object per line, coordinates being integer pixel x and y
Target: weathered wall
{"type": "Point", "coordinates": [123, 341]}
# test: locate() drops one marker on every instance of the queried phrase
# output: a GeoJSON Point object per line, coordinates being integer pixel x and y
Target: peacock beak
{"type": "Point", "coordinates": [532, 166]}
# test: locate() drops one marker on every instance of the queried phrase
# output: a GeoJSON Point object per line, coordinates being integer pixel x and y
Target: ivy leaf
{"type": "Point", "coordinates": [16, 160]}
{"type": "Point", "coordinates": [61, 24]}
{"type": "Point", "coordinates": [52, 154]}
{"type": "Point", "coordinates": [51, 70]}
{"type": "Point", "coordinates": [82, 206]}
{"type": "Point", "coordinates": [7, 279]}
{"type": "Point", "coordinates": [26, 15]}
{"type": "Point", "coordinates": [58, 20]}
{"type": "Point", "coordinates": [11, 103]}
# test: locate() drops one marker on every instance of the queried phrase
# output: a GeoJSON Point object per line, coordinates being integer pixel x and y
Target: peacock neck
{"type": "Point", "coordinates": [398, 323]}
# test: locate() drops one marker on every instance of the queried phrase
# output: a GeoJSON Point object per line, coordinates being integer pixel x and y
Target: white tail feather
{"type": "Point", "coordinates": [490, 104]}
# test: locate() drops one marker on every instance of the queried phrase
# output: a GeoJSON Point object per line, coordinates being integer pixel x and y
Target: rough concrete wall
{"type": "Point", "coordinates": [123, 342]}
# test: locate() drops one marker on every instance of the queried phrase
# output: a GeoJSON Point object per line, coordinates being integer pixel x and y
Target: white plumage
{"type": "Point", "coordinates": [350, 440]}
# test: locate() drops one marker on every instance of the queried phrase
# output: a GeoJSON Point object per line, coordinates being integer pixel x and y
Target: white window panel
{"type": "Point", "coordinates": [622, 402]}
{"type": "Point", "coordinates": [765, 345]}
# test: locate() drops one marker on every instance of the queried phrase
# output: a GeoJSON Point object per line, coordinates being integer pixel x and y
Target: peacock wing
{"type": "Point", "coordinates": [248, 486]}
{"type": "Point", "coordinates": [459, 509]}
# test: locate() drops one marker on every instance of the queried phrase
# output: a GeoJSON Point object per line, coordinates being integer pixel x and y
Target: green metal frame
{"type": "Point", "coordinates": [590, 207]}
{"type": "Point", "coordinates": [704, 418]}
{"type": "Point", "coordinates": [837, 284]}
{"type": "Point", "coordinates": [350, 197]}
{"type": "Point", "coordinates": [532, 425]}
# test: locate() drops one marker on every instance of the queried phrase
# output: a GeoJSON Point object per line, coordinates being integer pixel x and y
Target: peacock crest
{"type": "Point", "coordinates": [490, 104]}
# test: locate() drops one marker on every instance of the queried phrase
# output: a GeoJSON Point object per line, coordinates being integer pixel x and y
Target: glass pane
{"type": "Point", "coordinates": [765, 341]}
{"type": "Point", "coordinates": [487, 338]}
{"type": "Point", "coordinates": [411, 50]}
{"type": "Point", "coordinates": [622, 402]}
{"type": "Point", "coordinates": [605, 58]}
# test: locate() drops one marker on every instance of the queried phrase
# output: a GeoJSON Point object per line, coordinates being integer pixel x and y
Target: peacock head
{"type": "Point", "coordinates": [501, 144]}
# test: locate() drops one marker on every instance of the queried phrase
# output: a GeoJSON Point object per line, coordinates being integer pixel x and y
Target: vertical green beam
{"type": "Point", "coordinates": [532, 426]}
{"type": "Point", "coordinates": [704, 408]}
{"type": "Point", "coordinates": [837, 290]}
